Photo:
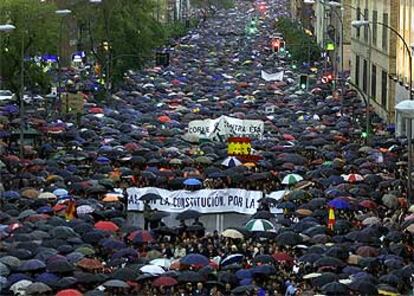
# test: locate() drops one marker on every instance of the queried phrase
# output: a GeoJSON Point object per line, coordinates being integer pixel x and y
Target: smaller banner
{"type": "Point", "coordinates": [222, 128]}
{"type": "Point", "coordinates": [278, 76]}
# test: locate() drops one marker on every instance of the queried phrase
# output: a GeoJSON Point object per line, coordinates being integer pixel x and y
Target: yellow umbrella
{"type": "Point", "coordinates": [30, 193]}
{"type": "Point", "coordinates": [110, 198]}
{"type": "Point", "coordinates": [249, 164]}
{"type": "Point", "coordinates": [232, 233]}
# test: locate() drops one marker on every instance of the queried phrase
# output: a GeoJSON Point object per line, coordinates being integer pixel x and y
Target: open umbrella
{"type": "Point", "coordinates": [291, 179]}
{"type": "Point", "coordinates": [188, 214]}
{"type": "Point", "coordinates": [231, 162]}
{"type": "Point", "coordinates": [106, 226]}
{"type": "Point", "coordinates": [232, 233]}
{"type": "Point", "coordinates": [195, 259]}
{"type": "Point", "coordinates": [164, 281]}
{"type": "Point", "coordinates": [150, 197]}
{"type": "Point", "coordinates": [259, 225]}
{"type": "Point", "coordinates": [69, 292]}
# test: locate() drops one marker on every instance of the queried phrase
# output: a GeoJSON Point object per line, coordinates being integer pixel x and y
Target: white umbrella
{"type": "Point", "coordinates": [20, 287]}
{"type": "Point", "coordinates": [353, 178]}
{"type": "Point", "coordinates": [278, 195]}
{"type": "Point", "coordinates": [291, 179]}
{"type": "Point", "coordinates": [85, 209]}
{"type": "Point", "coordinates": [259, 225]}
{"type": "Point", "coordinates": [46, 195]}
{"type": "Point", "coordinates": [152, 269]}
{"type": "Point", "coordinates": [162, 262]}
{"type": "Point", "coordinates": [231, 162]}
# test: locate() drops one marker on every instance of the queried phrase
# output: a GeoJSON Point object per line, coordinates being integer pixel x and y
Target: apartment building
{"type": "Point", "coordinates": [374, 53]}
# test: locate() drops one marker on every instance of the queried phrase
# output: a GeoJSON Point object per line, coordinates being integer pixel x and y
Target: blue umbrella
{"type": "Point", "coordinates": [231, 259]}
{"type": "Point", "coordinates": [10, 195]}
{"type": "Point", "coordinates": [32, 265]}
{"type": "Point", "coordinates": [44, 210]}
{"type": "Point", "coordinates": [16, 277]}
{"type": "Point", "coordinates": [60, 192]}
{"type": "Point", "coordinates": [47, 278]}
{"type": "Point", "coordinates": [244, 274]}
{"type": "Point", "coordinates": [195, 259]}
{"type": "Point", "coordinates": [245, 282]}
{"type": "Point", "coordinates": [192, 182]}
{"type": "Point", "coordinates": [339, 203]}
{"type": "Point", "coordinates": [102, 160]}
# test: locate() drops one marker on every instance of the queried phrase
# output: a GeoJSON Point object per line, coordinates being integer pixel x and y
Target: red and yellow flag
{"type": "Point", "coordinates": [331, 219]}
{"type": "Point", "coordinates": [70, 210]}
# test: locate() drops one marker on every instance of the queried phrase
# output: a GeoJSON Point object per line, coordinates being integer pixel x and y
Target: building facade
{"type": "Point", "coordinates": [374, 53]}
{"type": "Point", "coordinates": [406, 29]}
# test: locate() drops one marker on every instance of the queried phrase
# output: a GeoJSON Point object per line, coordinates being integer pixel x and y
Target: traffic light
{"type": "Point", "coordinates": [276, 45]}
{"type": "Point", "coordinates": [327, 78]}
{"type": "Point", "coordinates": [303, 81]}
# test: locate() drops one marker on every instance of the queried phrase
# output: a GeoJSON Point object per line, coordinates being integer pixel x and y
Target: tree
{"type": "Point", "coordinates": [35, 34]}
{"type": "Point", "coordinates": [122, 33]}
{"type": "Point", "coordinates": [298, 41]}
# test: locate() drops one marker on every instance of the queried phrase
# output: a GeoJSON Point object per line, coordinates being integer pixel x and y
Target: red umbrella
{"type": "Point", "coordinates": [140, 236]}
{"type": "Point", "coordinates": [164, 119]}
{"type": "Point", "coordinates": [282, 257]}
{"type": "Point", "coordinates": [164, 281]}
{"type": "Point", "coordinates": [69, 292]}
{"type": "Point", "coordinates": [107, 226]}
{"type": "Point", "coordinates": [90, 264]}
{"type": "Point", "coordinates": [369, 204]}
{"type": "Point", "coordinates": [96, 110]}
{"type": "Point", "coordinates": [131, 147]}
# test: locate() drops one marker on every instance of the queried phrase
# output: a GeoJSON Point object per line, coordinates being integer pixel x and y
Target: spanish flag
{"type": "Point", "coordinates": [331, 219]}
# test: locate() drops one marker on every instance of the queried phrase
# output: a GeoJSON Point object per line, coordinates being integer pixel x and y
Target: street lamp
{"type": "Point", "coordinates": [405, 109]}
{"type": "Point", "coordinates": [358, 24]}
{"type": "Point", "coordinates": [409, 49]}
{"type": "Point", "coordinates": [62, 13]}
{"type": "Point", "coordinates": [7, 28]}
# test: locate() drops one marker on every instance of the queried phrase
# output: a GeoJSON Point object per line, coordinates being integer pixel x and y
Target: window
{"type": "Point", "coordinates": [365, 77]}
{"type": "Point", "coordinates": [358, 17]}
{"type": "Point", "coordinates": [366, 17]}
{"type": "Point", "coordinates": [384, 84]}
{"type": "Point", "coordinates": [374, 82]}
{"type": "Point", "coordinates": [357, 70]}
{"type": "Point", "coordinates": [385, 32]}
{"type": "Point", "coordinates": [374, 27]}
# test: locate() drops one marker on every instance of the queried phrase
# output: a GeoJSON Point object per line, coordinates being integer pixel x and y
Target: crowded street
{"type": "Point", "coordinates": [221, 173]}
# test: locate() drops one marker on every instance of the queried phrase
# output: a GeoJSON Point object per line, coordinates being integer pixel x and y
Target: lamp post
{"type": "Point", "coordinates": [4, 29]}
{"type": "Point", "coordinates": [359, 24]}
{"type": "Point", "coordinates": [405, 109]}
{"type": "Point", "coordinates": [62, 13]}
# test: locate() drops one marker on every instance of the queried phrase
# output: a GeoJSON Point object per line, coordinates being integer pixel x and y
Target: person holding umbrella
{"type": "Point", "coordinates": [147, 215]}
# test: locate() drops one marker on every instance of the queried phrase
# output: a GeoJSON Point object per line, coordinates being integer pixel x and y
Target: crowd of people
{"type": "Point", "coordinates": [347, 222]}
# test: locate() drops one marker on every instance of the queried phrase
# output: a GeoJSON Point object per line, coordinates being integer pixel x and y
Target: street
{"type": "Point", "coordinates": [233, 170]}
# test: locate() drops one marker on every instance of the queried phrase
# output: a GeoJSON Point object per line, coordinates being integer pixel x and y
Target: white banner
{"type": "Point", "coordinates": [221, 128]}
{"type": "Point", "coordinates": [278, 76]}
{"type": "Point", "coordinates": [207, 201]}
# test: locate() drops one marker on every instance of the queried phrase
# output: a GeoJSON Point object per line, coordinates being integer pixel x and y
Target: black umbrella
{"type": "Point", "coordinates": [288, 238]}
{"type": "Point", "coordinates": [329, 261]}
{"type": "Point", "coordinates": [150, 197]}
{"type": "Point", "coordinates": [188, 214]}
{"type": "Point", "coordinates": [263, 215]}
{"type": "Point", "coordinates": [190, 276]}
{"type": "Point", "coordinates": [335, 288]}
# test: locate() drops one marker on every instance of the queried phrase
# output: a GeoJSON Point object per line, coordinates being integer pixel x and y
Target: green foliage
{"type": "Point", "coordinates": [36, 31]}
{"type": "Point", "coordinates": [297, 41]}
{"type": "Point", "coordinates": [129, 27]}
